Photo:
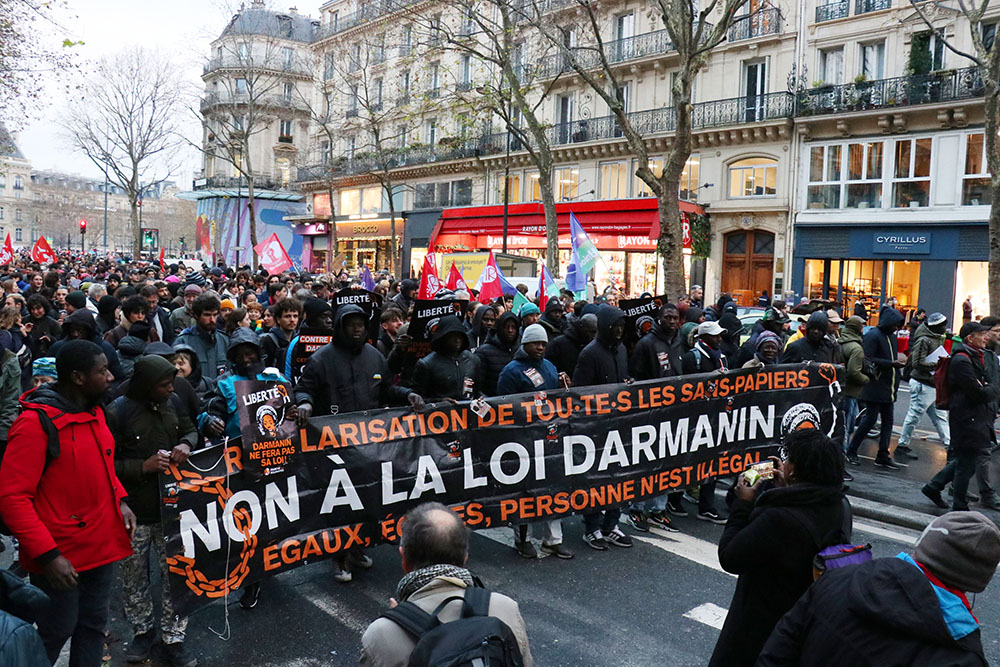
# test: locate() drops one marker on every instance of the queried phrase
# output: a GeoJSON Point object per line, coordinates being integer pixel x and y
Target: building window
{"type": "Point", "coordinates": [352, 145]}
{"type": "Point", "coordinates": [329, 66]}
{"type": "Point", "coordinates": [567, 182]}
{"type": "Point", "coordinates": [514, 191]}
{"type": "Point", "coordinates": [873, 60]}
{"type": "Point", "coordinates": [423, 195]}
{"type": "Point", "coordinates": [335, 19]}
{"type": "Point", "coordinates": [689, 178]}
{"type": "Point", "coordinates": [17, 233]}
{"type": "Point", "coordinates": [243, 50]}
{"type": "Point", "coordinates": [434, 80]}
{"type": "Point", "coordinates": [655, 166]}
{"type": "Point", "coordinates": [854, 170]}
{"type": "Point", "coordinates": [287, 93]}
{"type": "Point", "coordinates": [284, 168]}
{"type": "Point", "coordinates": [241, 86]}
{"type": "Point", "coordinates": [753, 177]}
{"type": "Point", "coordinates": [926, 52]}
{"type": "Point", "coordinates": [238, 123]}
{"type": "Point", "coordinates": [402, 133]}
{"type": "Point", "coordinates": [461, 192]}
{"type": "Point", "coordinates": [3, 181]}
{"type": "Point", "coordinates": [377, 95]}
{"type": "Point", "coordinates": [989, 35]}
{"type": "Point", "coordinates": [285, 129]}
{"type": "Point", "coordinates": [287, 57]}
{"type": "Point", "coordinates": [325, 151]}
{"type": "Point", "coordinates": [976, 181]}
{"type": "Point", "coordinates": [831, 65]}
{"type": "Point", "coordinates": [1, 212]}
{"type": "Point", "coordinates": [465, 73]}
{"type": "Point", "coordinates": [431, 131]}
{"type": "Point", "coordinates": [911, 184]}
{"type": "Point", "coordinates": [532, 191]}
{"type": "Point", "coordinates": [18, 215]}
{"type": "Point", "coordinates": [613, 180]}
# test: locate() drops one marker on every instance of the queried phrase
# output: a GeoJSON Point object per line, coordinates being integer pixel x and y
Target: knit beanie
{"type": "Point", "coordinates": [765, 336]}
{"type": "Point", "coordinates": [528, 309]}
{"type": "Point", "coordinates": [534, 333]}
{"type": "Point", "coordinates": [77, 299]}
{"type": "Point", "coordinates": [962, 549]}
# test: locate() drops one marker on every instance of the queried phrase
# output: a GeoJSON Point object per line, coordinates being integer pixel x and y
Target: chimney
{"type": "Point", "coordinates": [293, 10]}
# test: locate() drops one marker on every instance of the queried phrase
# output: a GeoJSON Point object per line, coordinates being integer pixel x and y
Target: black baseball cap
{"type": "Point", "coordinates": [970, 328]}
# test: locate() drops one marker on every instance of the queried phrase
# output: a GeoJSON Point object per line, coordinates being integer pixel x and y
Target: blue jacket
{"type": "Point", "coordinates": [516, 377]}
{"type": "Point", "coordinates": [211, 350]}
{"type": "Point", "coordinates": [223, 403]}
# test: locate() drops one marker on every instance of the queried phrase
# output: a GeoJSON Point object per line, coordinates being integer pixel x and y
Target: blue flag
{"type": "Point", "coordinates": [366, 280]}
{"type": "Point", "coordinates": [586, 252]}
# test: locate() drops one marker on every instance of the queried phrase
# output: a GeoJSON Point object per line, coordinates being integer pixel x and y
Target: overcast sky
{"type": "Point", "coordinates": [181, 28]}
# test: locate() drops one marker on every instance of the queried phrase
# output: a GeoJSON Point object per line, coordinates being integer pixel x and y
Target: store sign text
{"type": "Point", "coordinates": [898, 244]}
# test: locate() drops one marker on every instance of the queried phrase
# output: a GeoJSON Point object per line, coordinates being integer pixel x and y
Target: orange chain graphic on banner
{"type": "Point", "coordinates": [185, 567]}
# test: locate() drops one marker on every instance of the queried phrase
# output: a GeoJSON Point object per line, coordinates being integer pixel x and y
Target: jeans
{"type": "Point", "coordinates": [921, 401]}
{"type": "Point", "coordinates": [135, 578]}
{"type": "Point", "coordinates": [80, 614]}
{"type": "Point", "coordinates": [551, 532]}
{"type": "Point", "coordinates": [850, 408]}
{"type": "Point", "coordinates": [872, 413]}
{"type": "Point", "coordinates": [949, 474]}
{"type": "Point", "coordinates": [603, 521]}
{"type": "Point", "coordinates": [959, 471]}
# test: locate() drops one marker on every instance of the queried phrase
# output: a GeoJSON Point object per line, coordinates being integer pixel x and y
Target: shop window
{"type": "Point", "coordinates": [655, 166]}
{"type": "Point", "coordinates": [689, 178]}
{"type": "Point", "coordinates": [971, 282]}
{"type": "Point", "coordinates": [911, 184]}
{"type": "Point", "coordinates": [567, 182]}
{"type": "Point", "coordinates": [976, 181]}
{"type": "Point", "coordinates": [424, 195]}
{"type": "Point", "coordinates": [614, 180]}
{"type": "Point", "coordinates": [753, 177]}
{"type": "Point", "coordinates": [845, 175]}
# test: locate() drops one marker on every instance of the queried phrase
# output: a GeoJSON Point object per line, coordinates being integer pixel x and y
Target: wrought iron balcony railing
{"type": "Point", "coordinates": [865, 6]}
{"type": "Point", "coordinates": [760, 23]}
{"type": "Point", "coordinates": [901, 91]}
{"type": "Point", "coordinates": [833, 10]}
{"type": "Point", "coordinates": [617, 51]}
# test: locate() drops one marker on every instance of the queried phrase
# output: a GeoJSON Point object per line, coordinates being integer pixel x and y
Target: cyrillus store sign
{"type": "Point", "coordinates": [901, 243]}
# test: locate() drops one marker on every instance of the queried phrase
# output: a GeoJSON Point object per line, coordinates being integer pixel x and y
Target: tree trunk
{"type": "Point", "coordinates": [670, 245]}
{"type": "Point", "coordinates": [991, 123]}
{"type": "Point", "coordinates": [551, 221]}
{"type": "Point", "coordinates": [332, 251]}
{"type": "Point", "coordinates": [252, 217]}
{"type": "Point", "coordinates": [136, 229]}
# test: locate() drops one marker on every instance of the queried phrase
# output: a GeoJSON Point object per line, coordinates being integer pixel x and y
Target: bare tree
{"type": "Point", "coordinates": [693, 38]}
{"type": "Point", "coordinates": [126, 123]}
{"type": "Point", "coordinates": [986, 59]}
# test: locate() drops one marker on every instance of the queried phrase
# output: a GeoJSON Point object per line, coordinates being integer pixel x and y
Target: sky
{"type": "Point", "coordinates": [182, 29]}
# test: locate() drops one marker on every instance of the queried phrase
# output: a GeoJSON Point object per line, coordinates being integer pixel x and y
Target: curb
{"type": "Point", "coordinates": [899, 516]}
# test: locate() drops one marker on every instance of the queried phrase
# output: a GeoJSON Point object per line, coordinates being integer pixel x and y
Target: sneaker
{"type": "Point", "coordinates": [990, 503]}
{"type": "Point", "coordinates": [712, 516]}
{"type": "Point", "coordinates": [526, 549]}
{"type": "Point", "coordinates": [888, 464]}
{"type": "Point", "coordinates": [854, 459]}
{"type": "Point", "coordinates": [905, 452]}
{"type": "Point", "coordinates": [341, 574]}
{"type": "Point", "coordinates": [934, 496]}
{"type": "Point", "coordinates": [250, 596]}
{"type": "Point", "coordinates": [178, 656]}
{"type": "Point", "coordinates": [692, 498]}
{"type": "Point", "coordinates": [359, 559]}
{"type": "Point", "coordinates": [639, 521]}
{"type": "Point", "coordinates": [557, 550]}
{"type": "Point", "coordinates": [663, 522]}
{"type": "Point", "coordinates": [618, 538]}
{"type": "Point", "coordinates": [848, 477]}
{"type": "Point", "coordinates": [595, 540]}
{"type": "Point", "coordinates": [139, 649]}
{"type": "Point", "coordinates": [676, 507]}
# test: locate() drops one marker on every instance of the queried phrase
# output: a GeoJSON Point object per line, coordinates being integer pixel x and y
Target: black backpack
{"type": "Point", "coordinates": [51, 449]}
{"type": "Point", "coordinates": [475, 639]}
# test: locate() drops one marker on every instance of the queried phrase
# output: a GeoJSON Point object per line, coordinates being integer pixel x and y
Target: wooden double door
{"type": "Point", "coordinates": [748, 262]}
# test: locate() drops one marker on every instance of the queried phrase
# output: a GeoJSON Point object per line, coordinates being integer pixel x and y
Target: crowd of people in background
{"type": "Point", "coordinates": [122, 368]}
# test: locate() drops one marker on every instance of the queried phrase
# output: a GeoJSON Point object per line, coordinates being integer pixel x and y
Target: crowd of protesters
{"type": "Point", "coordinates": [113, 370]}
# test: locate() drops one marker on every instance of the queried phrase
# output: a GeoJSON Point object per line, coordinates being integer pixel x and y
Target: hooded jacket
{"type": "Point", "coordinates": [71, 507]}
{"type": "Point", "coordinates": [884, 613]}
{"type": "Point", "coordinates": [880, 348]}
{"type": "Point", "coordinates": [523, 374]}
{"type": "Point", "coordinates": [923, 342]}
{"type": "Point", "coordinates": [84, 319]}
{"type": "Point", "coordinates": [971, 399]}
{"type": "Point", "coordinates": [854, 356]}
{"type": "Point", "coordinates": [141, 428]}
{"type": "Point", "coordinates": [338, 378]}
{"type": "Point", "coordinates": [604, 360]}
{"type": "Point", "coordinates": [477, 336]}
{"type": "Point", "coordinates": [565, 350]}
{"type": "Point", "coordinates": [770, 544]}
{"type": "Point", "coordinates": [131, 347]}
{"type": "Point", "coordinates": [43, 327]}
{"type": "Point", "coordinates": [405, 297]}
{"type": "Point", "coordinates": [494, 354]}
{"type": "Point", "coordinates": [657, 355]}
{"type": "Point", "coordinates": [553, 327]}
{"type": "Point", "coordinates": [802, 349]}
{"type": "Point", "coordinates": [211, 349]}
{"type": "Point", "coordinates": [190, 400]}
{"type": "Point", "coordinates": [222, 402]}
{"type": "Point", "coordinates": [440, 375]}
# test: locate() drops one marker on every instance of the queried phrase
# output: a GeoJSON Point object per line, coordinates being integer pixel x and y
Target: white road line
{"type": "Point", "coordinates": [908, 538]}
{"type": "Point", "coordinates": [336, 609]}
{"type": "Point", "coordinates": [710, 614]}
{"type": "Point", "coordinates": [694, 549]}
{"type": "Point", "coordinates": [505, 536]}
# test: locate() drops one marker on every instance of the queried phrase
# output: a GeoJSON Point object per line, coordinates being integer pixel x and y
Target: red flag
{"type": "Point", "coordinates": [455, 280]}
{"type": "Point", "coordinates": [273, 256]}
{"type": "Point", "coordinates": [430, 283]}
{"type": "Point", "coordinates": [489, 282]}
{"type": "Point", "coordinates": [42, 252]}
{"type": "Point", "coordinates": [6, 252]}
{"type": "Point", "coordinates": [162, 267]}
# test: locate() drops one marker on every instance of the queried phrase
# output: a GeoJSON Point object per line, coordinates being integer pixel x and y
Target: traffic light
{"type": "Point", "coordinates": [83, 226]}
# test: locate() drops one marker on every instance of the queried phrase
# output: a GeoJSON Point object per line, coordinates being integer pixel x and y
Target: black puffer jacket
{"type": "Point", "coordinates": [339, 378]}
{"type": "Point", "coordinates": [801, 350]}
{"type": "Point", "coordinates": [440, 375]}
{"type": "Point", "coordinates": [84, 320]}
{"type": "Point", "coordinates": [20, 605]}
{"type": "Point", "coordinates": [770, 544]}
{"type": "Point", "coordinates": [477, 334]}
{"type": "Point", "coordinates": [604, 360]}
{"type": "Point", "coordinates": [884, 613]}
{"type": "Point", "coordinates": [880, 348]}
{"type": "Point", "coordinates": [656, 355]}
{"type": "Point", "coordinates": [564, 351]}
{"type": "Point", "coordinates": [494, 354]}
{"type": "Point", "coordinates": [971, 398]}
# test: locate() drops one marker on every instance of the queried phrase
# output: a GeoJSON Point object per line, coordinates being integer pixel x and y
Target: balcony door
{"type": "Point", "coordinates": [754, 88]}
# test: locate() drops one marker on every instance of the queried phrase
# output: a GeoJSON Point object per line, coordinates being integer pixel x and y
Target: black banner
{"type": "Point", "coordinates": [527, 457]}
{"type": "Point", "coordinates": [370, 302]}
{"type": "Point", "coordinates": [426, 315]}
{"type": "Point", "coordinates": [310, 339]}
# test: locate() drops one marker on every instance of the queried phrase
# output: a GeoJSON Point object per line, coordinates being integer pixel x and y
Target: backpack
{"type": "Point", "coordinates": [840, 555]}
{"type": "Point", "coordinates": [941, 400]}
{"type": "Point", "coordinates": [474, 639]}
{"type": "Point", "coordinates": [51, 449]}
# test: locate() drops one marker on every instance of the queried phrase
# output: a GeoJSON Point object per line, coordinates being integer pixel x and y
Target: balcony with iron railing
{"type": "Point", "coordinates": [901, 91]}
{"type": "Point", "coordinates": [617, 51]}
{"type": "Point", "coordinates": [833, 10]}
{"type": "Point", "coordinates": [365, 14]}
{"type": "Point", "coordinates": [866, 6]}
{"type": "Point", "coordinates": [760, 23]}
{"type": "Point", "coordinates": [211, 100]}
{"type": "Point", "coordinates": [238, 183]}
{"type": "Point", "coordinates": [234, 62]}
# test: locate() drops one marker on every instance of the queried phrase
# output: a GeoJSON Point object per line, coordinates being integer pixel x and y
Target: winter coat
{"type": "Point", "coordinates": [477, 335]}
{"type": "Point", "coordinates": [440, 375]}
{"type": "Point", "coordinates": [43, 327]}
{"type": "Point", "coordinates": [923, 342]}
{"type": "Point", "coordinates": [803, 350]}
{"type": "Point", "coordinates": [494, 355]}
{"type": "Point", "coordinates": [274, 347]}
{"type": "Point", "coordinates": [880, 348]}
{"type": "Point", "coordinates": [190, 399]}
{"type": "Point", "coordinates": [971, 398]}
{"type": "Point", "coordinates": [162, 317]}
{"type": "Point", "coordinates": [604, 360]}
{"type": "Point", "coordinates": [181, 319]}
{"type": "Point", "coordinates": [10, 391]}
{"type": "Point", "coordinates": [884, 613]}
{"type": "Point", "coordinates": [210, 347]}
{"type": "Point", "coordinates": [141, 428]}
{"type": "Point", "coordinates": [524, 375]}
{"type": "Point", "coordinates": [552, 327]}
{"type": "Point", "coordinates": [84, 319]}
{"type": "Point", "coordinates": [565, 350]}
{"type": "Point", "coordinates": [71, 507]}
{"type": "Point", "coordinates": [854, 356]}
{"type": "Point", "coordinates": [384, 343]}
{"type": "Point", "coordinates": [115, 335]}
{"type": "Point", "coordinates": [130, 349]}
{"type": "Point", "coordinates": [699, 360]}
{"type": "Point", "coordinates": [20, 605]}
{"type": "Point", "coordinates": [339, 379]}
{"type": "Point", "coordinates": [771, 544]}
{"type": "Point", "coordinates": [656, 355]}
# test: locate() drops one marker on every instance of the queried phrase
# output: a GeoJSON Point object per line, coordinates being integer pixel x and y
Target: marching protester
{"type": "Point", "coordinates": [815, 345]}
{"type": "Point", "coordinates": [210, 346]}
{"type": "Point", "coordinates": [450, 371]}
{"type": "Point", "coordinates": [498, 350]}
{"type": "Point", "coordinates": [274, 344]}
{"type": "Point", "coordinates": [183, 318]}
{"type": "Point", "coordinates": [565, 349]}
{"type": "Point", "coordinates": [928, 337]}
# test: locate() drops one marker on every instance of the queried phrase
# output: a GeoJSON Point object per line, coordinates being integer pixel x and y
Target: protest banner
{"type": "Point", "coordinates": [523, 458]}
{"type": "Point", "coordinates": [309, 340]}
{"type": "Point", "coordinates": [426, 315]}
{"type": "Point", "coordinates": [637, 309]}
{"type": "Point", "coordinates": [370, 302]}
{"type": "Point", "coordinates": [267, 427]}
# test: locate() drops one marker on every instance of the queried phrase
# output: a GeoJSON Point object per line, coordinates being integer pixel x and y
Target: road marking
{"type": "Point", "coordinates": [505, 536]}
{"type": "Point", "coordinates": [895, 535]}
{"type": "Point", "coordinates": [699, 551]}
{"type": "Point", "coordinates": [335, 608]}
{"type": "Point", "coordinates": [710, 614]}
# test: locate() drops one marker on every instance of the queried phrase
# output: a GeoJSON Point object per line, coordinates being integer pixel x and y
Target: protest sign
{"type": "Point", "coordinates": [370, 302]}
{"type": "Point", "coordinates": [636, 310]}
{"type": "Point", "coordinates": [266, 427]}
{"type": "Point", "coordinates": [309, 340]}
{"type": "Point", "coordinates": [426, 315]}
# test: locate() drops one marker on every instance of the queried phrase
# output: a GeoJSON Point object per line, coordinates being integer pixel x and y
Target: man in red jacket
{"type": "Point", "coordinates": [60, 498]}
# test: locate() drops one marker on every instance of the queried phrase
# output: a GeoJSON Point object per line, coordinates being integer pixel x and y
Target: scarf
{"type": "Point", "coordinates": [714, 354]}
{"type": "Point", "coordinates": [414, 581]}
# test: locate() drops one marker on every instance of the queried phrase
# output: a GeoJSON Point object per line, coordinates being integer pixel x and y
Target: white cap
{"type": "Point", "coordinates": [710, 328]}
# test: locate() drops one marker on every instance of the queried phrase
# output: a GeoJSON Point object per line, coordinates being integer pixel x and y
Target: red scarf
{"type": "Point", "coordinates": [937, 582]}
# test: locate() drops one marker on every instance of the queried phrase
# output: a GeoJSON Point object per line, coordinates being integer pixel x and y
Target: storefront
{"type": "Point", "coordinates": [359, 242]}
{"type": "Point", "coordinates": [624, 230]}
{"type": "Point", "coordinates": [933, 267]}
{"type": "Point", "coordinates": [419, 226]}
